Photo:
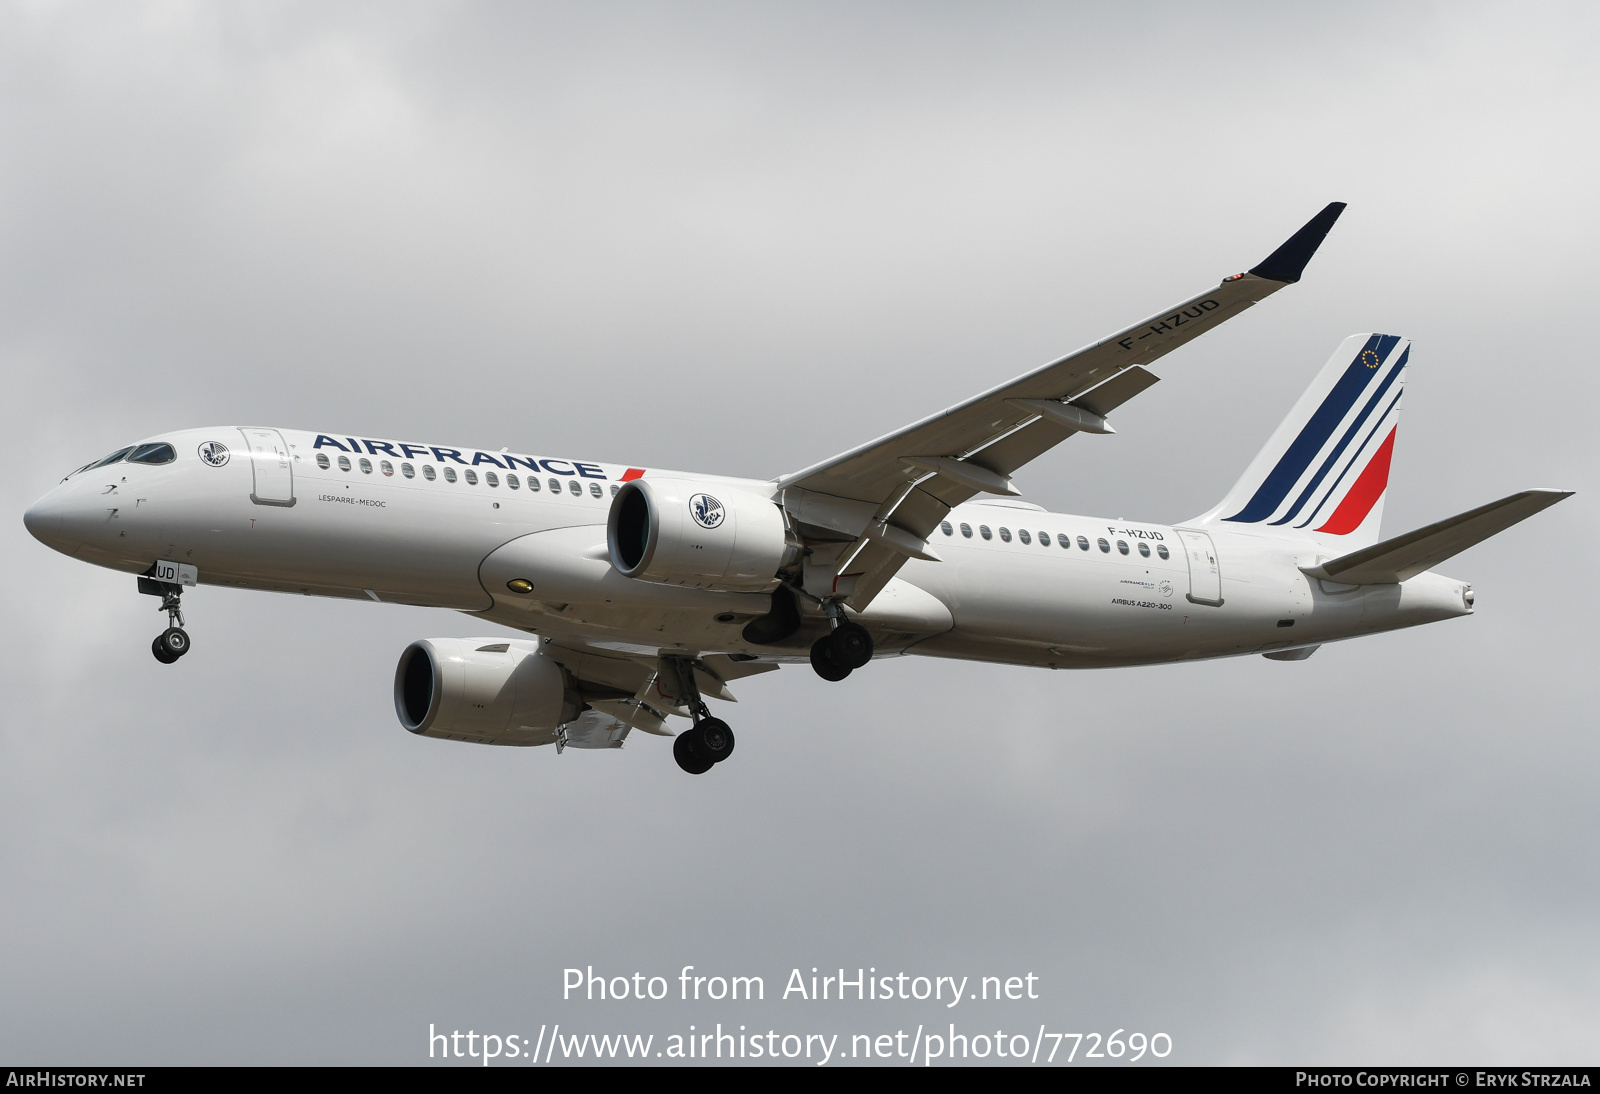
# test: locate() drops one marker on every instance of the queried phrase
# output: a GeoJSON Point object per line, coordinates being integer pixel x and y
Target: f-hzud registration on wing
{"type": "Point", "coordinates": [645, 592]}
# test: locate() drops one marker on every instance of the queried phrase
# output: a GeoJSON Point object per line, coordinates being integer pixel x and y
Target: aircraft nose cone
{"type": "Point", "coordinates": [43, 521]}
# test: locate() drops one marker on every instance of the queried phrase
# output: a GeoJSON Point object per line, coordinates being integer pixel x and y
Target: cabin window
{"type": "Point", "coordinates": [946, 529]}
{"type": "Point", "coordinates": [983, 530]}
{"type": "Point", "coordinates": [344, 463]}
{"type": "Point", "coordinates": [966, 530]}
{"type": "Point", "coordinates": [577, 491]}
{"type": "Point", "coordinates": [323, 461]}
{"type": "Point", "coordinates": [427, 471]}
{"type": "Point", "coordinates": [513, 482]}
{"type": "Point", "coordinates": [408, 471]}
{"type": "Point", "coordinates": [1065, 541]}
{"type": "Point", "coordinates": [1083, 543]}
{"type": "Point", "coordinates": [614, 489]}
{"type": "Point", "coordinates": [1122, 546]}
{"type": "Point", "coordinates": [1022, 534]}
{"type": "Point", "coordinates": [1104, 546]}
{"type": "Point", "coordinates": [449, 474]}
{"type": "Point", "coordinates": [533, 484]}
{"type": "Point", "coordinates": [491, 478]}
{"type": "Point", "coordinates": [555, 486]}
{"type": "Point", "coordinates": [1005, 534]}
{"type": "Point", "coordinates": [160, 452]}
{"type": "Point", "coordinates": [366, 466]}
{"type": "Point", "coordinates": [594, 488]}
{"type": "Point", "coordinates": [471, 477]}
{"type": "Point", "coordinates": [387, 468]}
{"type": "Point", "coordinates": [1161, 549]}
{"type": "Point", "coordinates": [1144, 548]}
{"type": "Point", "coordinates": [1044, 539]}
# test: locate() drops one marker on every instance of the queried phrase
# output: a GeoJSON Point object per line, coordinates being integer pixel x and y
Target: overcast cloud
{"type": "Point", "coordinates": [737, 239]}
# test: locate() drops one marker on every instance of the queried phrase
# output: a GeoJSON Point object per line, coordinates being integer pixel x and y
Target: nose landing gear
{"type": "Point", "coordinates": [173, 642]}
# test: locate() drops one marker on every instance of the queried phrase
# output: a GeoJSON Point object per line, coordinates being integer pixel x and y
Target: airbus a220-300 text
{"type": "Point", "coordinates": [645, 592]}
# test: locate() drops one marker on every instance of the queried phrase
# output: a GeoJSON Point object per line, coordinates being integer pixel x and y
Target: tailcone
{"type": "Point", "coordinates": [1429, 597]}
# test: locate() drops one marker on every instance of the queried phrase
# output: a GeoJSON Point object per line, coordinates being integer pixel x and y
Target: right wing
{"type": "Point", "coordinates": [887, 497]}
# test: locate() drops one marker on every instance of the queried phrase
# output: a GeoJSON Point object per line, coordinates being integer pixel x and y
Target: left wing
{"type": "Point", "coordinates": [880, 502]}
{"type": "Point", "coordinates": [1406, 556]}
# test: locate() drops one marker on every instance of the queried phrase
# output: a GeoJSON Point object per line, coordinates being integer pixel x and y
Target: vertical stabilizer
{"type": "Point", "coordinates": [1325, 470]}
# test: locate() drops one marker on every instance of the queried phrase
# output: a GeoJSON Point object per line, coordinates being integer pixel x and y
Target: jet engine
{"type": "Point", "coordinates": [697, 534]}
{"type": "Point", "coordinates": [487, 690]}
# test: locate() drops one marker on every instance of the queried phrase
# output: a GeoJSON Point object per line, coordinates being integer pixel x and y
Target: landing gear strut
{"type": "Point", "coordinates": [846, 647]}
{"type": "Point", "coordinates": [173, 642]}
{"type": "Point", "coordinates": [710, 740]}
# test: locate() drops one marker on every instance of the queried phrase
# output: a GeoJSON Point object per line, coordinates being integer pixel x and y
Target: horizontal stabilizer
{"type": "Point", "coordinates": [1406, 556]}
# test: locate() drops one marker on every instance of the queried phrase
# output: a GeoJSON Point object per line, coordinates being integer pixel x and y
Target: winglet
{"type": "Point", "coordinates": [1289, 261]}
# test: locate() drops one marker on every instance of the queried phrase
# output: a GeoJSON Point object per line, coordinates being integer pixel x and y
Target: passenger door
{"type": "Point", "coordinates": [272, 466]}
{"type": "Point", "coordinates": [1205, 575]}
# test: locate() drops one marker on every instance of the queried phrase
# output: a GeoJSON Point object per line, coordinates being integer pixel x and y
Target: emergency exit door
{"type": "Point", "coordinates": [1205, 575]}
{"type": "Point", "coordinates": [271, 464]}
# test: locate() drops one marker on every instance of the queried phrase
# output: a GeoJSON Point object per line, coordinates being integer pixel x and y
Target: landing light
{"type": "Point", "coordinates": [520, 585]}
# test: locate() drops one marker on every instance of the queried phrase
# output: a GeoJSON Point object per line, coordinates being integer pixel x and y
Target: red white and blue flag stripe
{"type": "Point", "coordinates": [1327, 466]}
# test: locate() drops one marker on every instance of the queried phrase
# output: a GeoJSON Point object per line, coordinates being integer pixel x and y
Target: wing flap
{"type": "Point", "coordinates": [1395, 560]}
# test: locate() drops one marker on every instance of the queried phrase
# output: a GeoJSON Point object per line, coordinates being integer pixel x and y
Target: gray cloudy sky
{"type": "Point", "coordinates": [737, 239]}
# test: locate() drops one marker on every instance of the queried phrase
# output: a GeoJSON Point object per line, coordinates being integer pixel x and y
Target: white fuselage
{"type": "Point", "coordinates": [1027, 592]}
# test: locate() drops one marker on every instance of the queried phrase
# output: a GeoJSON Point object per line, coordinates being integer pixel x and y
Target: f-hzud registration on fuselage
{"type": "Point", "coordinates": [648, 591]}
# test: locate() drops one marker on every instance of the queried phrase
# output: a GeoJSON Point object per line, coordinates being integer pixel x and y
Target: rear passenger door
{"type": "Point", "coordinates": [1205, 574]}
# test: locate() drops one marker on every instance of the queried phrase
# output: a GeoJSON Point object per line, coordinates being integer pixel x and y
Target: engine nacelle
{"type": "Point", "coordinates": [487, 690]}
{"type": "Point", "coordinates": [702, 535]}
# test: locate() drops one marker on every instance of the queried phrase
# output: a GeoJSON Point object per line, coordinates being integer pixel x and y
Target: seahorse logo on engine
{"type": "Point", "coordinates": [706, 510]}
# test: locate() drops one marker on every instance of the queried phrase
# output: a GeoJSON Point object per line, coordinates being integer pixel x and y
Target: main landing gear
{"type": "Point", "coordinates": [710, 740]}
{"type": "Point", "coordinates": [845, 648]}
{"type": "Point", "coordinates": [173, 642]}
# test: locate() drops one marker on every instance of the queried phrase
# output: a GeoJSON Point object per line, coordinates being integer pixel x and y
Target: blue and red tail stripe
{"type": "Point", "coordinates": [1384, 420]}
{"type": "Point", "coordinates": [1365, 492]}
{"type": "Point", "coordinates": [1328, 464]}
{"type": "Point", "coordinates": [1364, 368]}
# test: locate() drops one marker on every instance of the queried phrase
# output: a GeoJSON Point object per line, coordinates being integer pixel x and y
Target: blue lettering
{"type": "Point", "coordinates": [442, 454]}
{"type": "Point", "coordinates": [411, 455]}
{"type": "Point", "coordinates": [555, 470]}
{"type": "Point", "coordinates": [589, 470]}
{"type": "Point", "coordinates": [514, 461]}
{"type": "Point", "coordinates": [374, 447]}
{"type": "Point", "coordinates": [484, 457]}
{"type": "Point", "coordinates": [328, 442]}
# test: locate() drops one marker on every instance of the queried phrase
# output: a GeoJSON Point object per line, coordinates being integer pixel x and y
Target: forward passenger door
{"type": "Point", "coordinates": [271, 464]}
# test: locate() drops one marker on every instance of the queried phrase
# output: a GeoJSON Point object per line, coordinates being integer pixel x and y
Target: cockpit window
{"type": "Point", "coordinates": [113, 458]}
{"type": "Point", "coordinates": [160, 452]}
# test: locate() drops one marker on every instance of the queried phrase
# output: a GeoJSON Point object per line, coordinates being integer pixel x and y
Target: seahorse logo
{"type": "Point", "coordinates": [706, 510]}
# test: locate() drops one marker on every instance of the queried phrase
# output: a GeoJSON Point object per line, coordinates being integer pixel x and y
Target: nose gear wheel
{"type": "Point", "coordinates": [173, 642]}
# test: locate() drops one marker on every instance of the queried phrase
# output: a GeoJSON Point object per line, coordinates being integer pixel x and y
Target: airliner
{"type": "Point", "coordinates": [645, 592]}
